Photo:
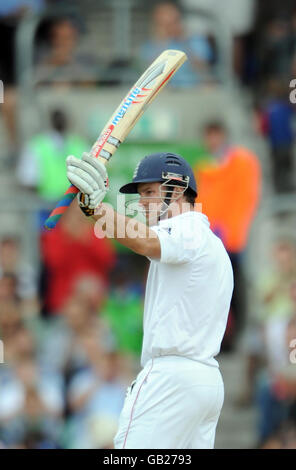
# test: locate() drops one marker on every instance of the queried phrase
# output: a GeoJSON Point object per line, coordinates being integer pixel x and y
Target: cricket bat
{"type": "Point", "coordinates": [125, 117]}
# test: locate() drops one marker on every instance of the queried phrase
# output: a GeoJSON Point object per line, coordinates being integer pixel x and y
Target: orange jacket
{"type": "Point", "coordinates": [229, 193]}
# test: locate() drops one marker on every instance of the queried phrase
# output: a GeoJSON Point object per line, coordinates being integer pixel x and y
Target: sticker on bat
{"type": "Point", "coordinates": [129, 100]}
{"type": "Point", "coordinates": [101, 141]}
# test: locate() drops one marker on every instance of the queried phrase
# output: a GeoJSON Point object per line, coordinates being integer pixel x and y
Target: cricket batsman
{"type": "Point", "coordinates": [176, 399]}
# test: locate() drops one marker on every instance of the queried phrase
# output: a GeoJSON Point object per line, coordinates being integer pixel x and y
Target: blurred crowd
{"type": "Point", "coordinates": [72, 326]}
{"type": "Point", "coordinates": [71, 346]}
{"type": "Point", "coordinates": [269, 346]}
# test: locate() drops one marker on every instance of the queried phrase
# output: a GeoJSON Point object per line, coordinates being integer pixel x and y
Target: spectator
{"type": "Point", "coordinates": [274, 284]}
{"type": "Point", "coordinates": [276, 48]}
{"type": "Point", "coordinates": [276, 387]}
{"type": "Point", "coordinates": [25, 276]}
{"type": "Point", "coordinates": [264, 343]}
{"type": "Point", "coordinates": [168, 33]}
{"type": "Point", "coordinates": [278, 119]}
{"type": "Point", "coordinates": [123, 308]}
{"type": "Point", "coordinates": [274, 305]}
{"type": "Point", "coordinates": [31, 396]}
{"type": "Point", "coordinates": [93, 256]}
{"type": "Point", "coordinates": [91, 289]}
{"type": "Point", "coordinates": [10, 322]}
{"type": "Point", "coordinates": [81, 322]}
{"type": "Point", "coordinates": [57, 337]}
{"type": "Point", "coordinates": [60, 338]}
{"type": "Point", "coordinates": [8, 288]}
{"type": "Point", "coordinates": [96, 396]}
{"type": "Point", "coordinates": [283, 434]}
{"type": "Point", "coordinates": [229, 190]}
{"type": "Point", "coordinates": [42, 162]}
{"type": "Point", "coordinates": [11, 12]}
{"type": "Point", "coordinates": [62, 63]}
{"type": "Point", "coordinates": [237, 17]}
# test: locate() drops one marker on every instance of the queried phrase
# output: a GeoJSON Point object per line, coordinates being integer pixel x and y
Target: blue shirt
{"type": "Point", "coordinates": [9, 7]}
{"type": "Point", "coordinates": [280, 116]}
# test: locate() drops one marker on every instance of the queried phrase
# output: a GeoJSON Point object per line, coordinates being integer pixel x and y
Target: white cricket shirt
{"type": "Point", "coordinates": [188, 291]}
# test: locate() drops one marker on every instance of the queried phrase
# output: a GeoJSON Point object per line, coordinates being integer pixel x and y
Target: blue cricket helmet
{"type": "Point", "coordinates": [162, 167]}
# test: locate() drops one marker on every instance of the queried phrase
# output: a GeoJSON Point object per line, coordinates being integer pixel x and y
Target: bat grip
{"type": "Point", "coordinates": [65, 202]}
{"type": "Point", "coordinates": [61, 207]}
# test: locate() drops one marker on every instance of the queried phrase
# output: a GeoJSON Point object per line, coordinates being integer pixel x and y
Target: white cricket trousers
{"type": "Point", "coordinates": [174, 403]}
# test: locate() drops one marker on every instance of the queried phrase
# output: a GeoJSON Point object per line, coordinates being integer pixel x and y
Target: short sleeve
{"type": "Point", "coordinates": [179, 243]}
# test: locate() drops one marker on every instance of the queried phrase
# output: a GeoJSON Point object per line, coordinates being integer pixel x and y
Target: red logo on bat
{"type": "Point", "coordinates": [101, 141]}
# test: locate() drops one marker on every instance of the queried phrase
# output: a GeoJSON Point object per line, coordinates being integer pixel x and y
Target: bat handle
{"type": "Point", "coordinates": [61, 207]}
{"type": "Point", "coordinates": [65, 202]}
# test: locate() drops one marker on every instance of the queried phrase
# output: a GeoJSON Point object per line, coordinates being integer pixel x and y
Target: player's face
{"type": "Point", "coordinates": [150, 200]}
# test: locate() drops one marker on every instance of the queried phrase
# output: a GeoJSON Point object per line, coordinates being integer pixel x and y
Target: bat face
{"type": "Point", "coordinates": [136, 102]}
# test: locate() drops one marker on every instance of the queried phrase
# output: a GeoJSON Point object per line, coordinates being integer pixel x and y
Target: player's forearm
{"type": "Point", "coordinates": [129, 232]}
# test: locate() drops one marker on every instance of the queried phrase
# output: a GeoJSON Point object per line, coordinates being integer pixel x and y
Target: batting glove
{"type": "Point", "coordinates": [90, 176]}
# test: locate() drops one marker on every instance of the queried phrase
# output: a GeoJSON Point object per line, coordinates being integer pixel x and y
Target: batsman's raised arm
{"type": "Point", "coordinates": [129, 232]}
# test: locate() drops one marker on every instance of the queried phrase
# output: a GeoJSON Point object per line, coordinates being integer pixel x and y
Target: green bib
{"type": "Point", "coordinates": [53, 180]}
